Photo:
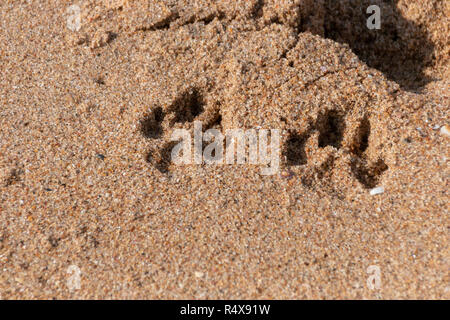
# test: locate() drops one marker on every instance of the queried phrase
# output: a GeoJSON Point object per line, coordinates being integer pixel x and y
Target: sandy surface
{"type": "Point", "coordinates": [85, 123]}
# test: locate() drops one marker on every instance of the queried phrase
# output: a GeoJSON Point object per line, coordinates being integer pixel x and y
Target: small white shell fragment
{"type": "Point", "coordinates": [199, 274]}
{"type": "Point", "coordinates": [377, 190]}
{"type": "Point", "coordinates": [445, 131]}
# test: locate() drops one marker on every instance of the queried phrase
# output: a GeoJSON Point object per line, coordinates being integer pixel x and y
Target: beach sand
{"type": "Point", "coordinates": [86, 118]}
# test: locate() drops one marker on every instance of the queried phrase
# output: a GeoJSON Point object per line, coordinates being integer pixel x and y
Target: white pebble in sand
{"type": "Point", "coordinates": [377, 190]}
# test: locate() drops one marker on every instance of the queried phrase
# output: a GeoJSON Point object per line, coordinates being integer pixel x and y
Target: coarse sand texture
{"type": "Point", "coordinates": [87, 182]}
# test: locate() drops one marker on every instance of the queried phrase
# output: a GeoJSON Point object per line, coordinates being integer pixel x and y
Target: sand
{"type": "Point", "coordinates": [87, 115]}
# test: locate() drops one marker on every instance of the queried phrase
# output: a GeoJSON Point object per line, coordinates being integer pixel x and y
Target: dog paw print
{"type": "Point", "coordinates": [189, 106]}
{"type": "Point", "coordinates": [330, 137]}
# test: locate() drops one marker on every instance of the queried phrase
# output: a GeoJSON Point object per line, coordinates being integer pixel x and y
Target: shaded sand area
{"type": "Point", "coordinates": [85, 124]}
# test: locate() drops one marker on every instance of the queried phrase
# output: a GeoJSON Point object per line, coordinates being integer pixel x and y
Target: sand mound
{"type": "Point", "coordinates": [261, 67]}
{"type": "Point", "coordinates": [411, 48]}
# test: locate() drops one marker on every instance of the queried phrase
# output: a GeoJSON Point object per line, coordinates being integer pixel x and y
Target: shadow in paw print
{"type": "Point", "coordinates": [369, 176]}
{"type": "Point", "coordinates": [401, 49]}
{"type": "Point", "coordinates": [161, 159]}
{"type": "Point", "coordinates": [294, 151]}
{"type": "Point", "coordinates": [151, 125]}
{"type": "Point", "coordinates": [257, 10]}
{"type": "Point", "coordinates": [188, 106]}
{"type": "Point", "coordinates": [331, 127]}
